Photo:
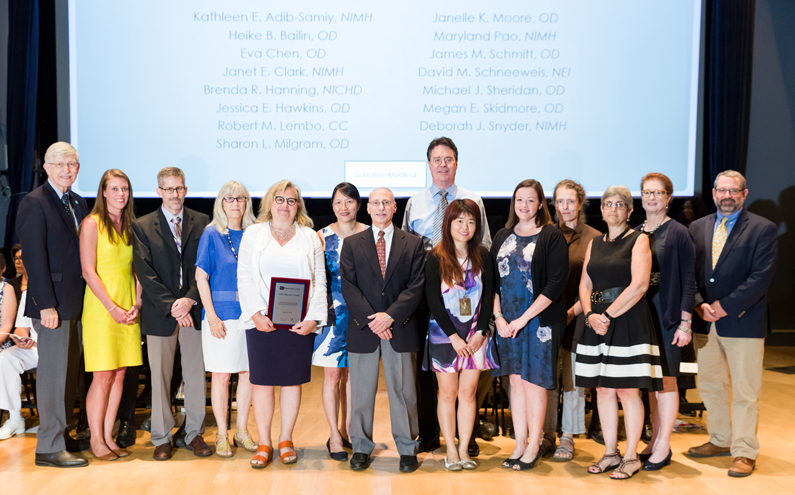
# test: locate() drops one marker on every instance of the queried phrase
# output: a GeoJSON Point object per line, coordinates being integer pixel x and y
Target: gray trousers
{"type": "Point", "coordinates": [56, 382]}
{"type": "Point", "coordinates": [399, 369]}
{"type": "Point", "coordinates": [573, 417]}
{"type": "Point", "coordinates": [161, 361]}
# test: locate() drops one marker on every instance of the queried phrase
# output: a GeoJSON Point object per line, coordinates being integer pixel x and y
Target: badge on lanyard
{"type": "Point", "coordinates": [466, 306]}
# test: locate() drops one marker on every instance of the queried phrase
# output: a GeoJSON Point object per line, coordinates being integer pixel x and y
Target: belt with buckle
{"type": "Point", "coordinates": [606, 296]}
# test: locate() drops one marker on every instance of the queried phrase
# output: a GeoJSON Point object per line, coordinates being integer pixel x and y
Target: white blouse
{"type": "Point", "coordinates": [261, 258]}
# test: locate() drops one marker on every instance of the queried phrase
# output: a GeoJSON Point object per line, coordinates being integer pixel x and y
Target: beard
{"type": "Point", "coordinates": [728, 206]}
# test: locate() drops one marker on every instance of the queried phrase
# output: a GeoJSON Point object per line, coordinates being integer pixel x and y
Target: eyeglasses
{"type": "Point", "coordinates": [60, 166]}
{"type": "Point", "coordinates": [232, 199]}
{"type": "Point", "coordinates": [618, 205]}
{"type": "Point", "coordinates": [172, 190]}
{"type": "Point", "coordinates": [658, 193]}
{"type": "Point", "coordinates": [386, 203]}
{"type": "Point", "coordinates": [733, 192]}
{"type": "Point", "coordinates": [281, 199]}
{"type": "Point", "coordinates": [447, 161]}
{"type": "Point", "coordinates": [567, 202]}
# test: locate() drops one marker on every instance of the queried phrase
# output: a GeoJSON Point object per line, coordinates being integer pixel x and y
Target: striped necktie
{"type": "Point", "coordinates": [438, 218]}
{"type": "Point", "coordinates": [718, 241]}
{"type": "Point", "coordinates": [178, 240]}
{"type": "Point", "coordinates": [380, 247]}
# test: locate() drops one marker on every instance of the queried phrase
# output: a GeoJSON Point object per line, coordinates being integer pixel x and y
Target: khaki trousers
{"type": "Point", "coordinates": [730, 364]}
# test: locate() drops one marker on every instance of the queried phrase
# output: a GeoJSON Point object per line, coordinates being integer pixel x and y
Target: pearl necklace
{"type": "Point", "coordinates": [283, 235]}
{"type": "Point", "coordinates": [643, 227]}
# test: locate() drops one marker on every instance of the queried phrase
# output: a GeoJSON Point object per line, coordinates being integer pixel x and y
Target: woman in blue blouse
{"type": "Point", "coordinates": [223, 329]}
{"type": "Point", "coordinates": [530, 312]}
{"type": "Point", "coordinates": [330, 350]}
{"type": "Point", "coordinates": [671, 297]}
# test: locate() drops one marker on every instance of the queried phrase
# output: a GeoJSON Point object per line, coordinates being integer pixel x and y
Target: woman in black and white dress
{"type": "Point", "coordinates": [619, 353]}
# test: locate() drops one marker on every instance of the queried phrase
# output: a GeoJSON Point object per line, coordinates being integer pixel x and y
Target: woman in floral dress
{"type": "Point", "coordinates": [530, 313]}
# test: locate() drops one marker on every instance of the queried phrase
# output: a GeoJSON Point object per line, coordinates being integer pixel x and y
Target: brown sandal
{"type": "Point", "coordinates": [289, 457]}
{"type": "Point", "coordinates": [259, 461]}
{"type": "Point", "coordinates": [621, 471]}
{"type": "Point", "coordinates": [599, 468]}
{"type": "Point", "coordinates": [564, 453]}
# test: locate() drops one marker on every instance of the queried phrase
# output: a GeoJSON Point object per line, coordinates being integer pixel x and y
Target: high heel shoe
{"type": "Point", "coordinates": [524, 466]}
{"type": "Point", "coordinates": [656, 466]}
{"type": "Point", "coordinates": [337, 456]}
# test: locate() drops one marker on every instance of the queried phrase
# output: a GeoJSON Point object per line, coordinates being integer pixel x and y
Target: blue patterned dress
{"type": "Point", "coordinates": [330, 344]}
{"type": "Point", "coordinates": [530, 353]}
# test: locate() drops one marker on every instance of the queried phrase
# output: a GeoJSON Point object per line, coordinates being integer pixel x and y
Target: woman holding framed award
{"type": "Point", "coordinates": [223, 327]}
{"type": "Point", "coordinates": [282, 285]}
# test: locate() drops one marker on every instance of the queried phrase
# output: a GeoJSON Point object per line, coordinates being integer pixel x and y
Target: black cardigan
{"type": "Point", "coordinates": [548, 270]}
{"type": "Point", "coordinates": [433, 293]}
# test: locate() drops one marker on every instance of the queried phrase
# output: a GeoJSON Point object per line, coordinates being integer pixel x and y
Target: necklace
{"type": "Point", "coordinates": [229, 238]}
{"type": "Point", "coordinates": [643, 227]}
{"type": "Point", "coordinates": [619, 236]}
{"type": "Point", "coordinates": [283, 235]}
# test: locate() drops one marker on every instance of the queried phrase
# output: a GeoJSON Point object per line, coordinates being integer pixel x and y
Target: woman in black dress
{"type": "Point", "coordinates": [671, 297]}
{"type": "Point", "coordinates": [619, 353]}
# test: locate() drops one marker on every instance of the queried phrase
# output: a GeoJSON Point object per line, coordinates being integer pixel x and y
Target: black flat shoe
{"type": "Point", "coordinates": [337, 456]}
{"type": "Point", "coordinates": [346, 444]}
{"type": "Point", "coordinates": [126, 435]}
{"type": "Point", "coordinates": [473, 449]}
{"type": "Point", "coordinates": [644, 457]}
{"type": "Point", "coordinates": [360, 462]}
{"type": "Point", "coordinates": [524, 466]}
{"type": "Point", "coordinates": [656, 466]}
{"type": "Point", "coordinates": [75, 446]}
{"type": "Point", "coordinates": [429, 445]}
{"type": "Point", "coordinates": [408, 463]}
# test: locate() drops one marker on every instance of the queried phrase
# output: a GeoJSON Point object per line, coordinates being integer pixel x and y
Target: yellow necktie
{"type": "Point", "coordinates": [718, 241]}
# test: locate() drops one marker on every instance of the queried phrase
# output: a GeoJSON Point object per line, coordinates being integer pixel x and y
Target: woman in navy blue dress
{"type": "Point", "coordinates": [330, 350]}
{"type": "Point", "coordinates": [530, 312]}
{"type": "Point", "coordinates": [223, 329]}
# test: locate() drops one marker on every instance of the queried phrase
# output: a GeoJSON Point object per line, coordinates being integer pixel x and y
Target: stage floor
{"type": "Point", "coordinates": [316, 473]}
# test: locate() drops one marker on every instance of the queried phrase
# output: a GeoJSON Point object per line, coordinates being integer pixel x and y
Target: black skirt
{"type": "Point", "coordinates": [280, 358]}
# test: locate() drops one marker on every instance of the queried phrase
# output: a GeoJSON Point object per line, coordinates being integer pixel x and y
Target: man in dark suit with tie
{"type": "Point", "coordinates": [47, 226]}
{"type": "Point", "coordinates": [383, 284]}
{"type": "Point", "coordinates": [735, 254]}
{"type": "Point", "coordinates": [164, 255]}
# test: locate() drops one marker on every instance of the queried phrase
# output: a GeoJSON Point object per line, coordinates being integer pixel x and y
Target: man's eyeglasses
{"type": "Point", "coordinates": [281, 199]}
{"type": "Point", "coordinates": [733, 192]}
{"type": "Point", "coordinates": [385, 203]}
{"type": "Point", "coordinates": [447, 161]}
{"type": "Point", "coordinates": [60, 166]}
{"type": "Point", "coordinates": [172, 190]}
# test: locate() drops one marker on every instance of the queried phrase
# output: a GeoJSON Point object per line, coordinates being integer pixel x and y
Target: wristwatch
{"type": "Point", "coordinates": [483, 333]}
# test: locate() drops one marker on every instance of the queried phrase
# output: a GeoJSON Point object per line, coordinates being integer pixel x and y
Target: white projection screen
{"type": "Point", "coordinates": [599, 91]}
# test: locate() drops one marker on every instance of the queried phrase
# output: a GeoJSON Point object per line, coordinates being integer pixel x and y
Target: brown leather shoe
{"type": "Point", "coordinates": [709, 450]}
{"type": "Point", "coordinates": [742, 467]}
{"type": "Point", "coordinates": [162, 452]}
{"type": "Point", "coordinates": [199, 447]}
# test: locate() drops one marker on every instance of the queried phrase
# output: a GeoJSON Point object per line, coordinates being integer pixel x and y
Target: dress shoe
{"type": "Point", "coordinates": [408, 463]}
{"type": "Point", "coordinates": [742, 467]}
{"type": "Point", "coordinates": [126, 435]}
{"type": "Point", "coordinates": [429, 445]}
{"type": "Point", "coordinates": [709, 450]}
{"type": "Point", "coordinates": [646, 435]}
{"type": "Point", "coordinates": [82, 431]}
{"type": "Point", "coordinates": [360, 462]}
{"type": "Point", "coordinates": [199, 447]}
{"type": "Point", "coordinates": [337, 456]}
{"type": "Point", "coordinates": [656, 466]}
{"type": "Point", "coordinates": [12, 427]}
{"type": "Point", "coordinates": [346, 444]}
{"type": "Point", "coordinates": [110, 456]}
{"type": "Point", "coordinates": [485, 430]}
{"type": "Point", "coordinates": [179, 437]}
{"type": "Point", "coordinates": [595, 434]}
{"type": "Point", "coordinates": [147, 424]}
{"type": "Point", "coordinates": [73, 445]}
{"type": "Point", "coordinates": [162, 452]}
{"type": "Point", "coordinates": [473, 449]}
{"type": "Point", "coordinates": [61, 459]}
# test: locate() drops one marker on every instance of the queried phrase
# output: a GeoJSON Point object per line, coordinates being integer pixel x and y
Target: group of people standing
{"type": "Point", "coordinates": [550, 303]}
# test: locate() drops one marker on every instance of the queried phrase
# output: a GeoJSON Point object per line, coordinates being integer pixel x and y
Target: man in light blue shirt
{"type": "Point", "coordinates": [423, 218]}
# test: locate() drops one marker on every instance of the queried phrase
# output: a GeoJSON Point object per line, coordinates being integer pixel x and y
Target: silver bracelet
{"type": "Point", "coordinates": [498, 315]}
{"type": "Point", "coordinates": [685, 329]}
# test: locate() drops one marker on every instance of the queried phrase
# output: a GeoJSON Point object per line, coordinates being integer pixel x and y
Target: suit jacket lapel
{"type": "Point", "coordinates": [371, 253]}
{"type": "Point", "coordinates": [164, 229]}
{"type": "Point", "coordinates": [398, 244]}
{"type": "Point", "coordinates": [58, 205]}
{"type": "Point", "coordinates": [187, 226]}
{"type": "Point", "coordinates": [708, 233]}
{"type": "Point", "coordinates": [737, 230]}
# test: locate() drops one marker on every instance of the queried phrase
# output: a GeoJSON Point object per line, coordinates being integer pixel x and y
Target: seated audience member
{"type": "Point", "coordinates": [21, 356]}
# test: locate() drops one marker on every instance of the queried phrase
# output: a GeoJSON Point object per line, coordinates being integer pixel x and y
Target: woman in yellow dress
{"type": "Point", "coordinates": [111, 333]}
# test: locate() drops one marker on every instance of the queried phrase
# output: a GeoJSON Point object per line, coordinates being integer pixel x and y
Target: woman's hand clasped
{"type": "Point", "coordinates": [502, 328]}
{"type": "Point", "coordinates": [476, 342]}
{"type": "Point", "coordinates": [599, 323]}
{"type": "Point", "coordinates": [517, 325]}
{"type": "Point", "coordinates": [460, 346]}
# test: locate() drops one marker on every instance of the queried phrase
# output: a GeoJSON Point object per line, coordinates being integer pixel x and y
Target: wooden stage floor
{"type": "Point", "coordinates": [316, 473]}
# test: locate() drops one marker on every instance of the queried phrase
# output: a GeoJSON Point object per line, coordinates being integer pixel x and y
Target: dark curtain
{"type": "Point", "coordinates": [23, 72]}
{"type": "Point", "coordinates": [729, 52]}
